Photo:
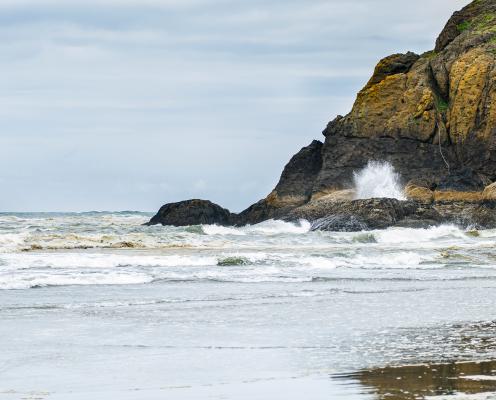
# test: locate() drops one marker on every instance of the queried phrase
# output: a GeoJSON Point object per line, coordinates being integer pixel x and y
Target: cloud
{"type": "Point", "coordinates": [104, 101]}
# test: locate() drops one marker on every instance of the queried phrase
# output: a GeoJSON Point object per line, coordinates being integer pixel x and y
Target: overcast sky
{"type": "Point", "coordinates": [129, 104]}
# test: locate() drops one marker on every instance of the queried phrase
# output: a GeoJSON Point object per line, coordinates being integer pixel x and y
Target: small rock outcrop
{"type": "Point", "coordinates": [191, 212]}
{"type": "Point", "coordinates": [432, 116]}
{"type": "Point", "coordinates": [339, 223]}
{"type": "Point", "coordinates": [355, 214]}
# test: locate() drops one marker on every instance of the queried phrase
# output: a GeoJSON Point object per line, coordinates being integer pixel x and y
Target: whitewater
{"type": "Point", "coordinates": [97, 305]}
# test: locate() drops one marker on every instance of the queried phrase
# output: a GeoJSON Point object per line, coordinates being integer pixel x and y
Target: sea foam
{"type": "Point", "coordinates": [378, 179]}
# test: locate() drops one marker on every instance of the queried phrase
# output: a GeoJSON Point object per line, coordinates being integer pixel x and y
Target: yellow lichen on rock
{"type": "Point", "coordinates": [489, 192]}
{"type": "Point", "coordinates": [469, 76]}
{"type": "Point", "coordinates": [419, 193]}
{"type": "Point", "coordinates": [426, 103]}
{"type": "Point", "coordinates": [397, 105]}
{"type": "Point", "coordinates": [275, 200]}
{"type": "Point", "coordinates": [335, 195]}
{"type": "Point", "coordinates": [451, 195]}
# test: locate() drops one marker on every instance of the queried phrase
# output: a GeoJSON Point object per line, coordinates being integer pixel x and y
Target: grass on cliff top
{"type": "Point", "coordinates": [485, 23]}
{"type": "Point", "coordinates": [429, 54]}
{"type": "Point", "coordinates": [463, 26]}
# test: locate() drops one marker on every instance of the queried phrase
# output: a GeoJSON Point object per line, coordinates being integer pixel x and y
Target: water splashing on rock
{"type": "Point", "coordinates": [378, 179]}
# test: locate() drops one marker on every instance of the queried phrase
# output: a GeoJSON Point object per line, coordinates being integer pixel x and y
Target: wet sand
{"type": "Point", "coordinates": [458, 380]}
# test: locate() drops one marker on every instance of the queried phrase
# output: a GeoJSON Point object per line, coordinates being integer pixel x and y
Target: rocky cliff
{"type": "Point", "coordinates": [432, 116]}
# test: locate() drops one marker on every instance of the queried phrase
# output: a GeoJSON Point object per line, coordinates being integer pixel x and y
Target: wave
{"type": "Point", "coordinates": [43, 251]}
{"type": "Point", "coordinates": [277, 227]}
{"type": "Point", "coordinates": [221, 230]}
{"type": "Point", "coordinates": [102, 261]}
{"type": "Point", "coordinates": [46, 280]}
{"type": "Point", "coordinates": [35, 270]}
{"type": "Point", "coordinates": [409, 235]}
{"type": "Point", "coordinates": [124, 231]}
{"type": "Point", "coordinates": [270, 227]}
{"type": "Point", "coordinates": [76, 232]}
{"type": "Point", "coordinates": [38, 281]}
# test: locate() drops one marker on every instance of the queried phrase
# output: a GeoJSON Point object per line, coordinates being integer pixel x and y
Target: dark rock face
{"type": "Point", "coordinates": [392, 65]}
{"type": "Point", "coordinates": [260, 211]}
{"type": "Point", "coordinates": [344, 155]}
{"type": "Point", "coordinates": [355, 214]}
{"type": "Point", "coordinates": [294, 188]}
{"type": "Point", "coordinates": [191, 212]}
{"type": "Point", "coordinates": [460, 21]}
{"type": "Point", "coordinates": [299, 175]}
{"type": "Point", "coordinates": [339, 223]}
{"type": "Point", "coordinates": [358, 215]}
{"type": "Point", "coordinates": [338, 216]}
{"type": "Point", "coordinates": [480, 215]}
{"type": "Point", "coordinates": [442, 102]}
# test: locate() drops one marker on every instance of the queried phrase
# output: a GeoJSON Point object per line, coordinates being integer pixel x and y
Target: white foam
{"type": "Point", "coordinates": [12, 241]}
{"type": "Point", "coordinates": [464, 396]}
{"type": "Point", "coordinates": [479, 377]}
{"type": "Point", "coordinates": [82, 261]}
{"type": "Point", "coordinates": [404, 259]}
{"type": "Point", "coordinates": [410, 235]}
{"type": "Point", "coordinates": [378, 179]}
{"type": "Point", "coordinates": [319, 262]}
{"type": "Point", "coordinates": [26, 281]}
{"type": "Point", "coordinates": [222, 230]}
{"type": "Point", "coordinates": [276, 227]}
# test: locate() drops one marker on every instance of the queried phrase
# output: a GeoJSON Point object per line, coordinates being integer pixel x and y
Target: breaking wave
{"type": "Point", "coordinates": [40, 251]}
{"type": "Point", "coordinates": [378, 179]}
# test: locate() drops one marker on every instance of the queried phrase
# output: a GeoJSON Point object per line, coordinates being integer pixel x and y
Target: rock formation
{"type": "Point", "coordinates": [432, 116]}
{"type": "Point", "coordinates": [191, 212]}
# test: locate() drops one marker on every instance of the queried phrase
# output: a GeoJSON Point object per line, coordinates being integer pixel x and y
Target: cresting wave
{"type": "Point", "coordinates": [114, 249]}
{"type": "Point", "coordinates": [125, 232]}
{"type": "Point", "coordinates": [40, 269]}
{"type": "Point", "coordinates": [121, 232]}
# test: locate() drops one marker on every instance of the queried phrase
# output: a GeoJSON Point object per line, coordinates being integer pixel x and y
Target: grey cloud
{"type": "Point", "coordinates": [126, 104]}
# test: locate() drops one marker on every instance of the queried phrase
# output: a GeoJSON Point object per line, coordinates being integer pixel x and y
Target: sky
{"type": "Point", "coordinates": [130, 104]}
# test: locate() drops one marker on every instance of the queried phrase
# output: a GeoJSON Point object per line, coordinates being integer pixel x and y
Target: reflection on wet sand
{"type": "Point", "coordinates": [423, 381]}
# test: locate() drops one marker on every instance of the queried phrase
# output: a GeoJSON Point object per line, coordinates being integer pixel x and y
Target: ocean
{"type": "Point", "coordinates": [98, 306]}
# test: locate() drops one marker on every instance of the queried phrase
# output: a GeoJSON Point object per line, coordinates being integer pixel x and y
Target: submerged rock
{"type": "Point", "coordinates": [232, 261]}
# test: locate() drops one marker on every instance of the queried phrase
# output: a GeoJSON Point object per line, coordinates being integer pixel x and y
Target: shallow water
{"type": "Point", "coordinates": [98, 306]}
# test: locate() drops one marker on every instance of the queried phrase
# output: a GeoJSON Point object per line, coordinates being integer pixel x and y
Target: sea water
{"type": "Point", "coordinates": [98, 306]}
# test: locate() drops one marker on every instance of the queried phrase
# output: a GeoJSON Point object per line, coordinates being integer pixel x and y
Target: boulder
{"type": "Point", "coordinates": [339, 223]}
{"type": "Point", "coordinates": [191, 212]}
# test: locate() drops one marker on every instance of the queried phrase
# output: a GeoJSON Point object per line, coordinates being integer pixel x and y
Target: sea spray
{"type": "Point", "coordinates": [378, 179]}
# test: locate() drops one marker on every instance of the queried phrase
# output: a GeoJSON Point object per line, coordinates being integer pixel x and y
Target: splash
{"type": "Point", "coordinates": [378, 179]}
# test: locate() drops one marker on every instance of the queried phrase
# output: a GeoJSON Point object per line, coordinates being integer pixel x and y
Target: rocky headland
{"type": "Point", "coordinates": [431, 116]}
